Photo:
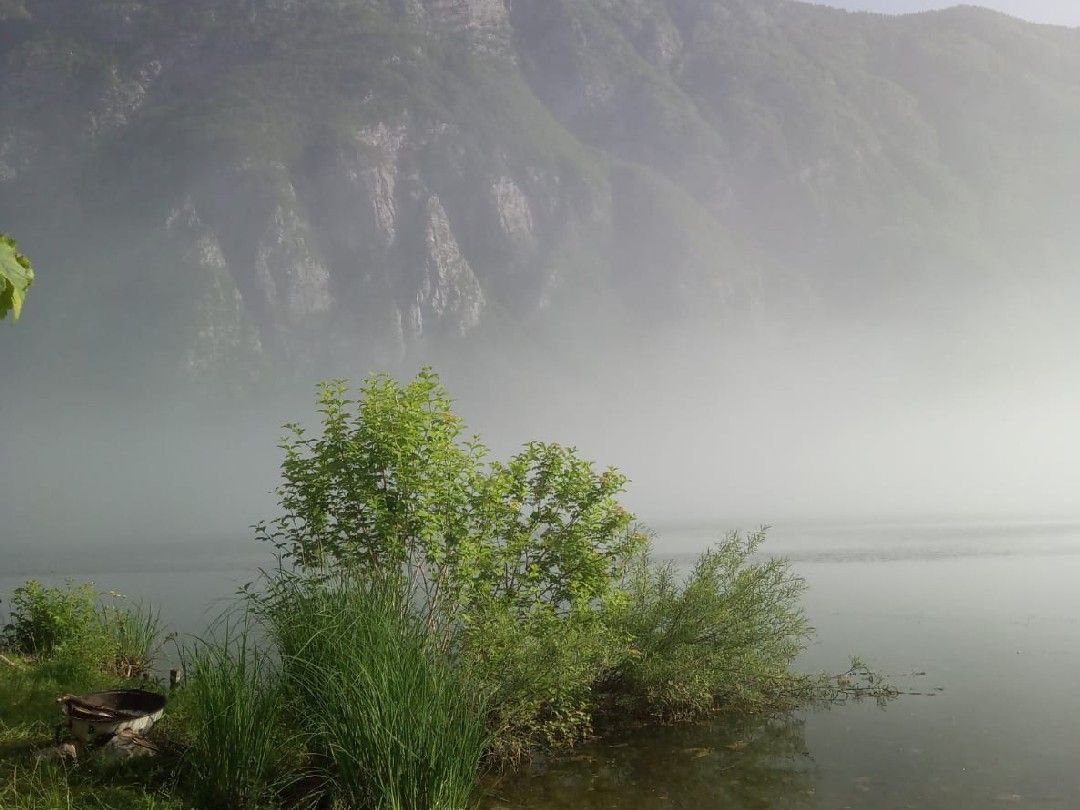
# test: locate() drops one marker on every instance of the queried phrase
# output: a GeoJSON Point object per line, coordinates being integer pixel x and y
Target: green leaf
{"type": "Point", "coordinates": [16, 277]}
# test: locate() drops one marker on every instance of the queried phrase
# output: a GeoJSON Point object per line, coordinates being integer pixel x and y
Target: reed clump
{"type": "Point", "coordinates": [390, 717]}
{"type": "Point", "coordinates": [230, 725]}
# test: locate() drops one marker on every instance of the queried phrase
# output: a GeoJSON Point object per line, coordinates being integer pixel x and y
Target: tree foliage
{"type": "Point", "coordinates": [16, 277]}
{"type": "Point", "coordinates": [555, 533]}
{"type": "Point", "coordinates": [392, 483]}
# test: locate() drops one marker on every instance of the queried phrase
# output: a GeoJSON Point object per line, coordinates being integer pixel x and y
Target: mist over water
{"type": "Point", "coordinates": [969, 413]}
{"type": "Point", "coordinates": [804, 265]}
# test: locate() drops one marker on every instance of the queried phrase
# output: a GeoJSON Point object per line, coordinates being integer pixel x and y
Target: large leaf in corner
{"type": "Point", "coordinates": [16, 276]}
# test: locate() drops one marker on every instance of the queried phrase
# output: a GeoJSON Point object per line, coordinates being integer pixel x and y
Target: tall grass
{"type": "Point", "coordinates": [135, 635]}
{"type": "Point", "coordinates": [394, 718]}
{"type": "Point", "coordinates": [236, 746]}
{"type": "Point", "coordinates": [26, 785]}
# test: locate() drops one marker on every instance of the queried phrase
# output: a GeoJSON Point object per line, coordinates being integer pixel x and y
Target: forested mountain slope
{"type": "Point", "coordinates": [237, 187]}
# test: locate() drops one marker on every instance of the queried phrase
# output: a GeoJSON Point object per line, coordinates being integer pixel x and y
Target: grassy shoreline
{"type": "Point", "coordinates": [233, 734]}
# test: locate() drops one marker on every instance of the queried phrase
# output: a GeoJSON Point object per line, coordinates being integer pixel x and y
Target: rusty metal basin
{"type": "Point", "coordinates": [98, 716]}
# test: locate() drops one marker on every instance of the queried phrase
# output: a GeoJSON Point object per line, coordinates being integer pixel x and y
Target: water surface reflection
{"type": "Point", "coordinates": [752, 762]}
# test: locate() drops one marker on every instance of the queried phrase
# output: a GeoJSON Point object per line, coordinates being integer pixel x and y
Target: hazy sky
{"type": "Point", "coordinates": [1061, 12]}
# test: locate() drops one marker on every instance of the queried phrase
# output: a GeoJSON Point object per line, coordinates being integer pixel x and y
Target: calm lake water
{"type": "Point", "coordinates": [990, 613]}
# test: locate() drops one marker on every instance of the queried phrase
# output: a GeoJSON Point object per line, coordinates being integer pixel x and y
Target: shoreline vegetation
{"type": "Point", "coordinates": [434, 615]}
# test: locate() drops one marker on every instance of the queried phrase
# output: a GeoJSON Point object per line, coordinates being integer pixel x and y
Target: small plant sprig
{"type": "Point", "coordinates": [858, 683]}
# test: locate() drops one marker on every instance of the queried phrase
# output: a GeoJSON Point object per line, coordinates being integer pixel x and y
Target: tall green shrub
{"type": "Point", "coordinates": [541, 670]}
{"type": "Point", "coordinates": [553, 533]}
{"type": "Point", "coordinates": [43, 620]}
{"type": "Point", "coordinates": [387, 484]}
{"type": "Point", "coordinates": [391, 483]}
{"type": "Point", "coordinates": [724, 635]}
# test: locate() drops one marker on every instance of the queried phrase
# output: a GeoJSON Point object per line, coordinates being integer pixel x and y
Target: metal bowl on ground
{"type": "Point", "coordinates": [99, 716]}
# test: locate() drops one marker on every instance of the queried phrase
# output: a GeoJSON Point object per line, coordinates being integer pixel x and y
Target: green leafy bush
{"type": "Point", "coordinates": [541, 671]}
{"type": "Point", "coordinates": [74, 626]}
{"type": "Point", "coordinates": [386, 484]}
{"type": "Point", "coordinates": [552, 533]}
{"type": "Point", "coordinates": [392, 483]}
{"type": "Point", "coordinates": [725, 635]}
{"type": "Point", "coordinates": [522, 555]}
{"type": "Point", "coordinates": [555, 545]}
{"type": "Point", "coordinates": [44, 620]}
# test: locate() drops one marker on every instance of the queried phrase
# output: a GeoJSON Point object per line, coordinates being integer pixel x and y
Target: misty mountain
{"type": "Point", "coordinates": [236, 188]}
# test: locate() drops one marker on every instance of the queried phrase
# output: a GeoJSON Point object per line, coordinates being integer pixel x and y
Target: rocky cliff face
{"type": "Point", "coordinates": [485, 22]}
{"type": "Point", "coordinates": [346, 181]}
